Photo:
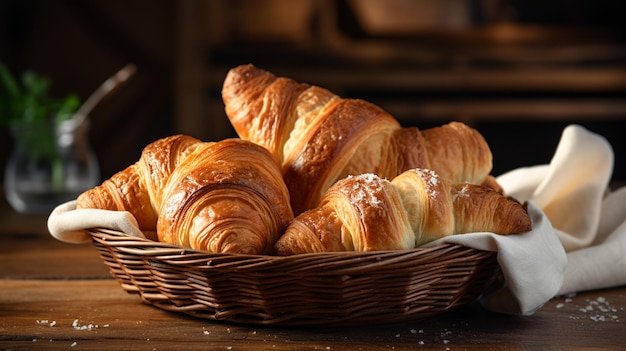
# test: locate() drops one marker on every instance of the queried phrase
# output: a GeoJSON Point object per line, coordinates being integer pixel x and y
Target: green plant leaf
{"type": "Point", "coordinates": [8, 82]}
{"type": "Point", "coordinates": [35, 85]}
{"type": "Point", "coordinates": [67, 108]}
{"type": "Point", "coordinates": [10, 93]}
{"type": "Point", "coordinates": [30, 101]}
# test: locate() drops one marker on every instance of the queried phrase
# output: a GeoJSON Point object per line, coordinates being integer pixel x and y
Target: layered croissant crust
{"type": "Point", "coordinates": [226, 197]}
{"type": "Point", "coordinates": [370, 213]}
{"type": "Point", "coordinates": [319, 137]}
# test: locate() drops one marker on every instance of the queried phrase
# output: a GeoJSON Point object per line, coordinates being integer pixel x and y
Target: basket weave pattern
{"type": "Point", "coordinates": [329, 289]}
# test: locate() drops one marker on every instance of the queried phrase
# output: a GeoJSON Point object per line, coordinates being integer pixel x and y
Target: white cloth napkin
{"type": "Point", "coordinates": [572, 212]}
{"type": "Point", "coordinates": [532, 263]}
{"type": "Point", "coordinates": [68, 224]}
{"type": "Point", "coordinates": [564, 199]}
{"type": "Point", "coordinates": [589, 220]}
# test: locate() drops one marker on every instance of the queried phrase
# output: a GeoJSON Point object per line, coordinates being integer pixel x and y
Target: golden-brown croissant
{"type": "Point", "coordinates": [369, 213]}
{"type": "Point", "coordinates": [224, 197]}
{"type": "Point", "coordinates": [320, 138]}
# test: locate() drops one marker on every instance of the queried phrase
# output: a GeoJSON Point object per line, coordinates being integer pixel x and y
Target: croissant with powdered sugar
{"type": "Point", "coordinates": [370, 213]}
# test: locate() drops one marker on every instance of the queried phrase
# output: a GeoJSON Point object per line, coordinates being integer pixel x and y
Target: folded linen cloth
{"type": "Point", "coordinates": [533, 263]}
{"type": "Point", "coordinates": [68, 224]}
{"type": "Point", "coordinates": [573, 192]}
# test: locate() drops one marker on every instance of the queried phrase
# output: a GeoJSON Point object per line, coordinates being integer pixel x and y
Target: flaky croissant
{"type": "Point", "coordinates": [370, 213]}
{"type": "Point", "coordinates": [226, 197]}
{"type": "Point", "coordinates": [320, 138]}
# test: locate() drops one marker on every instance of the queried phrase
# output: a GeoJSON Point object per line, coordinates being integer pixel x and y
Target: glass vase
{"type": "Point", "coordinates": [51, 163]}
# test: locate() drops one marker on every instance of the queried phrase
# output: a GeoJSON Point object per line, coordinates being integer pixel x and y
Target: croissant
{"type": "Point", "coordinates": [226, 197]}
{"type": "Point", "coordinates": [320, 138]}
{"type": "Point", "coordinates": [369, 213]}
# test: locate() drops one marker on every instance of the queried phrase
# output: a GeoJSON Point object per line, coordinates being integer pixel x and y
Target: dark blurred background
{"type": "Point", "coordinates": [518, 71]}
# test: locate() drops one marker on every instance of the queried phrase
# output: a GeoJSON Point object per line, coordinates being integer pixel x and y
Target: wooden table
{"type": "Point", "coordinates": [55, 295]}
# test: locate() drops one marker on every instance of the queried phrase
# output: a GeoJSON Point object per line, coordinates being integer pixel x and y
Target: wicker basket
{"type": "Point", "coordinates": [330, 289]}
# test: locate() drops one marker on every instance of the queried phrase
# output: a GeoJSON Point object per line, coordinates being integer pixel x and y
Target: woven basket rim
{"type": "Point", "coordinates": [178, 250]}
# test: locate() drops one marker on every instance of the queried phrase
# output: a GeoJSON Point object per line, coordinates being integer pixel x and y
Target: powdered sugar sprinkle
{"type": "Point", "coordinates": [364, 189]}
{"type": "Point", "coordinates": [431, 181]}
{"type": "Point", "coordinates": [464, 192]}
{"type": "Point", "coordinates": [597, 310]}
